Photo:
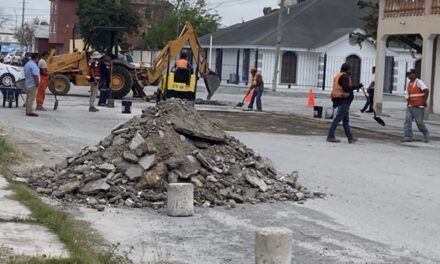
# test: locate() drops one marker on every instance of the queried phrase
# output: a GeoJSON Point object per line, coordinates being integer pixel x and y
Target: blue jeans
{"type": "Point", "coordinates": [417, 114]}
{"type": "Point", "coordinates": [256, 95]}
{"type": "Point", "coordinates": [103, 93]}
{"type": "Point", "coordinates": [342, 114]}
{"type": "Point", "coordinates": [367, 103]}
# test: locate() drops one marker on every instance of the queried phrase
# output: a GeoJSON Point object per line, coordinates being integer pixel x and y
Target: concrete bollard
{"type": "Point", "coordinates": [273, 245]}
{"type": "Point", "coordinates": [180, 201]}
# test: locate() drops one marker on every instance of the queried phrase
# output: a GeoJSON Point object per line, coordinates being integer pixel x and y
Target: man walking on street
{"type": "Point", "coordinates": [93, 78]}
{"type": "Point", "coordinates": [41, 92]}
{"type": "Point", "coordinates": [32, 81]}
{"type": "Point", "coordinates": [370, 90]}
{"type": "Point", "coordinates": [258, 86]}
{"type": "Point", "coordinates": [417, 94]}
{"type": "Point", "coordinates": [342, 97]}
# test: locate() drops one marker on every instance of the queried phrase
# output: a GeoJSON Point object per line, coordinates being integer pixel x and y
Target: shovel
{"type": "Point", "coordinates": [55, 105]}
{"type": "Point", "coordinates": [378, 119]}
{"type": "Point", "coordinates": [240, 104]}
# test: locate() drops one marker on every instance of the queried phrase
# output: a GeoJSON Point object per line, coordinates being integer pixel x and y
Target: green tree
{"type": "Point", "coordinates": [172, 22]}
{"type": "Point", "coordinates": [114, 13]}
{"type": "Point", "coordinates": [25, 34]}
{"type": "Point", "coordinates": [371, 20]}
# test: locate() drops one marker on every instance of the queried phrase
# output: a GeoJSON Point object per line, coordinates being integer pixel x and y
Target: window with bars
{"type": "Point", "coordinates": [288, 67]}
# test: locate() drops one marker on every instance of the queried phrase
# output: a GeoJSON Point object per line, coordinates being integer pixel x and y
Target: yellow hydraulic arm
{"type": "Point", "coordinates": [170, 51]}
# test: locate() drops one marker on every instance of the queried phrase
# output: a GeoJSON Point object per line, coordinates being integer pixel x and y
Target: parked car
{"type": "Point", "coordinates": [2, 56]}
{"type": "Point", "coordinates": [16, 58]}
{"type": "Point", "coordinates": [9, 74]}
{"type": "Point", "coordinates": [8, 58]}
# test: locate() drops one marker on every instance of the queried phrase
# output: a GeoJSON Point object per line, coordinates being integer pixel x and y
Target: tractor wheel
{"type": "Point", "coordinates": [59, 85]}
{"type": "Point", "coordinates": [122, 81]}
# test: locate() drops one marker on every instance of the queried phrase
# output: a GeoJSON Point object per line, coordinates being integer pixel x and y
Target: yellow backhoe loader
{"type": "Point", "coordinates": [182, 83]}
{"type": "Point", "coordinates": [73, 67]}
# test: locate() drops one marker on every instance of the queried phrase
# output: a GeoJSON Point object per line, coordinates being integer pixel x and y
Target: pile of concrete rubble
{"type": "Point", "coordinates": [170, 142]}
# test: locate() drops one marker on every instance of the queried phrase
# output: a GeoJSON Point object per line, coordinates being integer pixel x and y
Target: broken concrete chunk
{"type": "Point", "coordinates": [93, 148]}
{"type": "Point", "coordinates": [203, 161]}
{"type": "Point", "coordinates": [119, 141]}
{"type": "Point", "coordinates": [130, 157]}
{"type": "Point", "coordinates": [196, 182]}
{"type": "Point", "coordinates": [211, 178]}
{"type": "Point", "coordinates": [95, 186]}
{"type": "Point", "coordinates": [120, 131]}
{"type": "Point", "coordinates": [147, 161]}
{"type": "Point", "coordinates": [137, 141]}
{"type": "Point", "coordinates": [106, 167]}
{"type": "Point", "coordinates": [256, 182]}
{"type": "Point", "coordinates": [134, 172]}
{"type": "Point", "coordinates": [69, 187]}
{"type": "Point", "coordinates": [152, 178]}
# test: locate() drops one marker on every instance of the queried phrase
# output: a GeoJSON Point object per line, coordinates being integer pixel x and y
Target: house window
{"type": "Point", "coordinates": [288, 67]}
{"type": "Point", "coordinates": [355, 63]}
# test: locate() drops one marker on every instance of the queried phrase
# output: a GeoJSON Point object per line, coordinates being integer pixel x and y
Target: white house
{"type": "Point", "coordinates": [317, 37]}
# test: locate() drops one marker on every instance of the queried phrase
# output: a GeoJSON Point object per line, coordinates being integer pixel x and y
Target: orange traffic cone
{"type": "Point", "coordinates": [311, 100]}
{"type": "Point", "coordinates": [249, 97]}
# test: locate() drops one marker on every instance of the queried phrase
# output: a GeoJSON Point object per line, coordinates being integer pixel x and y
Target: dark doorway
{"type": "Point", "coordinates": [288, 67]}
{"type": "Point", "coordinates": [218, 62]}
{"type": "Point", "coordinates": [389, 74]}
{"type": "Point", "coordinates": [355, 63]}
{"type": "Point", "coordinates": [246, 62]}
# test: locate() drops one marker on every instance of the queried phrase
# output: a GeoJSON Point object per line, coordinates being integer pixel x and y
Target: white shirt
{"type": "Point", "coordinates": [42, 64]}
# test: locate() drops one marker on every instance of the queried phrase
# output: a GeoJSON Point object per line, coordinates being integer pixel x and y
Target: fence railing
{"type": "Point", "coordinates": [401, 8]}
{"type": "Point", "coordinates": [435, 7]}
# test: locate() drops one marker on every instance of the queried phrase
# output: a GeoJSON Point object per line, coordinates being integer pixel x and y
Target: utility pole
{"type": "Point", "coordinates": [22, 13]}
{"type": "Point", "coordinates": [278, 43]}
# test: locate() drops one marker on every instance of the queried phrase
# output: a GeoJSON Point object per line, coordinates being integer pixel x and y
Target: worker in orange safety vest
{"type": "Point", "coordinates": [183, 62]}
{"type": "Point", "coordinates": [417, 94]}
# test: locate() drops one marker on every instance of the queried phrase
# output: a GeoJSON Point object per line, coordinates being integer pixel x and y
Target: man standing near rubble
{"type": "Point", "coordinates": [104, 78]}
{"type": "Point", "coordinates": [32, 81]}
{"type": "Point", "coordinates": [417, 94]}
{"type": "Point", "coordinates": [258, 88]}
{"type": "Point", "coordinates": [41, 92]}
{"type": "Point", "coordinates": [93, 79]}
{"type": "Point", "coordinates": [342, 97]}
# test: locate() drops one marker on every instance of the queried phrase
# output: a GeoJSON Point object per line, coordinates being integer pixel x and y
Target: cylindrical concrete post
{"type": "Point", "coordinates": [180, 201]}
{"type": "Point", "coordinates": [273, 245]}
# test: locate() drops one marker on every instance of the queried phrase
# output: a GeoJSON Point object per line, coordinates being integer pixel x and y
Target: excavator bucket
{"type": "Point", "coordinates": [212, 82]}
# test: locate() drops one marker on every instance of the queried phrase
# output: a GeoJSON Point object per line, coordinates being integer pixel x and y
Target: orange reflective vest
{"type": "Point", "coordinates": [338, 91]}
{"type": "Point", "coordinates": [182, 63]}
{"type": "Point", "coordinates": [93, 66]}
{"type": "Point", "coordinates": [416, 96]}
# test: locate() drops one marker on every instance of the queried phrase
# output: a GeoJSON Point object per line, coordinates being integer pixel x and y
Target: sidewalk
{"type": "Point", "coordinates": [19, 238]}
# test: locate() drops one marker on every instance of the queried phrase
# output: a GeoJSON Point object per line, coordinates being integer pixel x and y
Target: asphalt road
{"type": "Point", "coordinates": [378, 209]}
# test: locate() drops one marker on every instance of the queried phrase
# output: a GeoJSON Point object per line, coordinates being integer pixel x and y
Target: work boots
{"type": "Point", "coordinates": [333, 140]}
{"type": "Point", "coordinates": [93, 109]}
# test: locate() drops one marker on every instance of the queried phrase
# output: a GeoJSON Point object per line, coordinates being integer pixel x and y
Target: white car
{"type": "Point", "coordinates": [9, 74]}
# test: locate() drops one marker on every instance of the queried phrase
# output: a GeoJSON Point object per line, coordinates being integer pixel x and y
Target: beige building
{"type": "Point", "coordinates": [406, 17]}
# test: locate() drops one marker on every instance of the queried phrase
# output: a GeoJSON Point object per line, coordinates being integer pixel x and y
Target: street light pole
{"type": "Point", "coordinates": [278, 43]}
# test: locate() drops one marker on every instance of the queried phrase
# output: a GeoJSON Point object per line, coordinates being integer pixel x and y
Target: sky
{"type": "Point", "coordinates": [231, 11]}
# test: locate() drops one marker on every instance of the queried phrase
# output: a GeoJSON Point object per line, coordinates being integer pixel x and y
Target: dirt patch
{"type": "Point", "coordinates": [280, 123]}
